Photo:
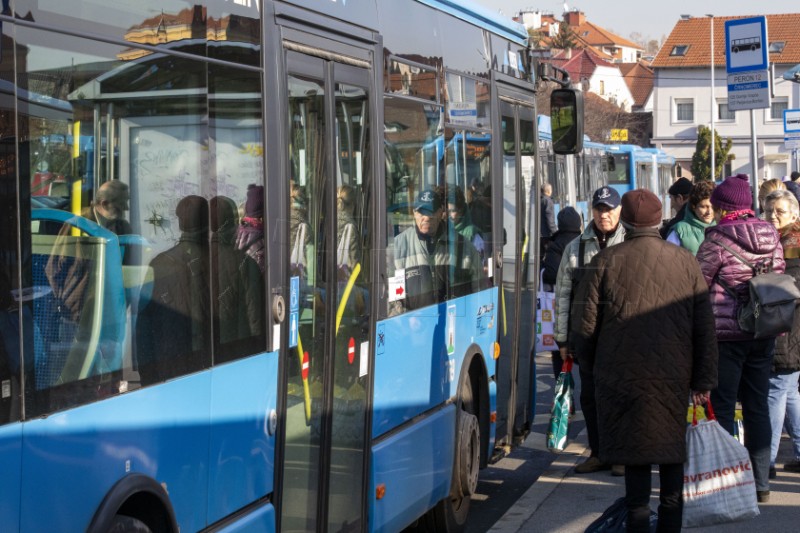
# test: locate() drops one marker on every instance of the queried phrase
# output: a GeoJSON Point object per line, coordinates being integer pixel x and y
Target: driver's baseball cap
{"type": "Point", "coordinates": [606, 196]}
{"type": "Point", "coordinates": [428, 202]}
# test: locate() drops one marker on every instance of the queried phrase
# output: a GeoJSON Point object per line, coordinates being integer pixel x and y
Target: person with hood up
{"type": "Point", "coordinates": [569, 229]}
{"type": "Point", "coordinates": [642, 321]}
{"type": "Point", "coordinates": [744, 361]}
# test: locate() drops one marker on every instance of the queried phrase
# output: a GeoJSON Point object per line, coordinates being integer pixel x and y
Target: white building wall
{"type": "Point", "coordinates": [614, 88]}
{"type": "Point", "coordinates": [679, 138]}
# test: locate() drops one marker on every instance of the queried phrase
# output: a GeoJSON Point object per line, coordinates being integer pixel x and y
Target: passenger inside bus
{"type": "Point", "coordinates": [461, 219]}
{"type": "Point", "coordinates": [436, 262]}
{"type": "Point", "coordinates": [250, 233]}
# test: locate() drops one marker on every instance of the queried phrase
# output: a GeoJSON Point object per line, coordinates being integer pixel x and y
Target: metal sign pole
{"type": "Point", "coordinates": [754, 161]}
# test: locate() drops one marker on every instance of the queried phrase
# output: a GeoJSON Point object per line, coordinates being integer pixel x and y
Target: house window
{"type": "Point", "coordinates": [725, 114]}
{"type": "Point", "coordinates": [684, 110]}
{"type": "Point", "coordinates": [776, 47]}
{"type": "Point", "coordinates": [777, 108]}
{"type": "Point", "coordinates": [602, 87]}
{"type": "Point", "coordinates": [679, 50]}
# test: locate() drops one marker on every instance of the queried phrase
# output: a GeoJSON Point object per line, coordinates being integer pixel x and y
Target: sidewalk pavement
{"type": "Point", "coordinates": [561, 501]}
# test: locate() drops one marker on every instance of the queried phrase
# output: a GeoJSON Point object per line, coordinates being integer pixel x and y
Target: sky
{"type": "Point", "coordinates": [651, 19]}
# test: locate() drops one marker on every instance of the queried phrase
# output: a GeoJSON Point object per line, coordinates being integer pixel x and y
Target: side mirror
{"type": "Point", "coordinates": [566, 121]}
{"type": "Point", "coordinates": [611, 163]}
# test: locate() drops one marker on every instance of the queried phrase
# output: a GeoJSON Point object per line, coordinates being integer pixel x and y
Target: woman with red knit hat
{"type": "Point", "coordinates": [744, 362]}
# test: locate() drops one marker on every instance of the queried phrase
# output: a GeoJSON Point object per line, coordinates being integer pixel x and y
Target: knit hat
{"type": "Point", "coordinates": [733, 194]}
{"type": "Point", "coordinates": [254, 206]}
{"type": "Point", "coordinates": [795, 175]}
{"type": "Point", "coordinates": [683, 187]}
{"type": "Point", "coordinates": [569, 219]}
{"type": "Point", "coordinates": [641, 209]}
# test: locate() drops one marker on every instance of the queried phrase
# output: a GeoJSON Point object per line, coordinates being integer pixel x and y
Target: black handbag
{"type": "Point", "coordinates": [769, 310]}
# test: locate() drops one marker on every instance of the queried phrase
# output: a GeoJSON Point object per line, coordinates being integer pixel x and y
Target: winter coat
{"type": "Point", "coordinates": [552, 257]}
{"type": "Point", "coordinates": [643, 324]}
{"type": "Point", "coordinates": [787, 347]}
{"type": "Point", "coordinates": [756, 241]}
{"type": "Point", "coordinates": [568, 273]}
{"type": "Point", "coordinates": [237, 290]}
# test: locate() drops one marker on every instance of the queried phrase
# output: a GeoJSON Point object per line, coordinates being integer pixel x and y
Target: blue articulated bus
{"type": "Point", "coordinates": [206, 320]}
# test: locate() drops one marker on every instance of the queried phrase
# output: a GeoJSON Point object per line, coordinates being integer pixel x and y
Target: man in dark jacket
{"type": "Point", "coordinates": [643, 321]}
{"type": "Point", "coordinates": [569, 229]}
{"type": "Point", "coordinates": [679, 198]}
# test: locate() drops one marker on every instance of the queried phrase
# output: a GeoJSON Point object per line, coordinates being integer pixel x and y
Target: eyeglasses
{"type": "Point", "coordinates": [780, 213]}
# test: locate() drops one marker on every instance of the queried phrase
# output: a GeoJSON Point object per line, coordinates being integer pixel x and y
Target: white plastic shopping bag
{"type": "Point", "coordinates": [718, 484]}
{"type": "Point", "coordinates": [545, 319]}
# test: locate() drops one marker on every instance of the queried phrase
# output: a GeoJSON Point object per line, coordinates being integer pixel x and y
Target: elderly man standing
{"type": "Point", "coordinates": [603, 231]}
{"type": "Point", "coordinates": [642, 320]}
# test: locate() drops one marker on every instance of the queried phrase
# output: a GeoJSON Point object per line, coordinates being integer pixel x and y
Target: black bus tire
{"type": "Point", "coordinates": [128, 524]}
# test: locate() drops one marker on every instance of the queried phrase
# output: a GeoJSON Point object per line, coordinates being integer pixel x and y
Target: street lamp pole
{"type": "Point", "coordinates": [713, 105]}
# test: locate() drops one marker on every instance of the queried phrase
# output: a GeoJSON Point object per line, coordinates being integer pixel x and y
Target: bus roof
{"type": "Point", "coordinates": [483, 17]}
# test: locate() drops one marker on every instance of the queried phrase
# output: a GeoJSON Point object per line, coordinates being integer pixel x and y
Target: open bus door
{"type": "Point", "coordinates": [516, 394]}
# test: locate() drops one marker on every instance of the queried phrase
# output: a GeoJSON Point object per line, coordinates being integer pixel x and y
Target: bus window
{"type": "Point", "coordinates": [621, 173]}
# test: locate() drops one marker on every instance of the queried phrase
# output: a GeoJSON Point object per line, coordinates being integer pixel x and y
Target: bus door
{"type": "Point", "coordinates": [329, 112]}
{"type": "Point", "coordinates": [515, 367]}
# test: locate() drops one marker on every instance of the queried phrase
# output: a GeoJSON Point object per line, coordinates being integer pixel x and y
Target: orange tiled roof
{"type": "Point", "coordinates": [594, 35]}
{"type": "Point", "coordinates": [639, 80]}
{"type": "Point", "coordinates": [695, 33]}
{"type": "Point", "coordinates": [582, 64]}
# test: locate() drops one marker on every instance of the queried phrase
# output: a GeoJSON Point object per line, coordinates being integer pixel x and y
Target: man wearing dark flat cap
{"type": "Point", "coordinates": [678, 198]}
{"type": "Point", "coordinates": [642, 320]}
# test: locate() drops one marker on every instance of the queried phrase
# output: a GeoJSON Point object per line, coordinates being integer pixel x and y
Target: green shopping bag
{"type": "Point", "coordinates": [559, 415]}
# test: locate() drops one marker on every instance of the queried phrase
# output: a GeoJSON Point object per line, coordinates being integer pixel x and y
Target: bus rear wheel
{"type": "Point", "coordinates": [450, 514]}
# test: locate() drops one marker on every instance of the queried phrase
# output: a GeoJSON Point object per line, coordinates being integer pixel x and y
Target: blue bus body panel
{"type": "Point", "coordinates": [163, 432]}
{"type": "Point", "coordinates": [242, 451]}
{"type": "Point", "coordinates": [260, 521]}
{"type": "Point", "coordinates": [10, 458]}
{"type": "Point", "coordinates": [416, 466]}
{"type": "Point", "coordinates": [403, 389]}
{"type": "Point", "coordinates": [160, 431]}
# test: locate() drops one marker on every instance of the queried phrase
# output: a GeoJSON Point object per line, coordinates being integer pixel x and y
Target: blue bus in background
{"type": "Point", "coordinates": [203, 323]}
{"type": "Point", "coordinates": [647, 168]}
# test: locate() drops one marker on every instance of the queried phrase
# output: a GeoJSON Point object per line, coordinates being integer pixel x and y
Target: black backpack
{"type": "Point", "coordinates": [769, 309]}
